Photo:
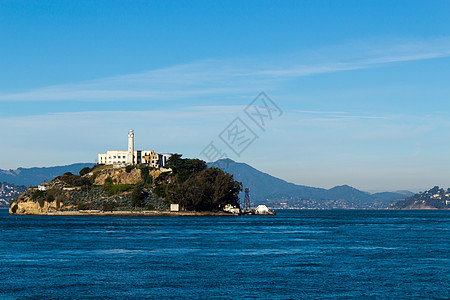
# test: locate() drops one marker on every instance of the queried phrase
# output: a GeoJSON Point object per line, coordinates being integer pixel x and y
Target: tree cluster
{"type": "Point", "coordinates": [74, 180]}
{"type": "Point", "coordinates": [196, 187]}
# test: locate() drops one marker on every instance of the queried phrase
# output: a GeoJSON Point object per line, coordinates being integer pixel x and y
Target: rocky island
{"type": "Point", "coordinates": [134, 189]}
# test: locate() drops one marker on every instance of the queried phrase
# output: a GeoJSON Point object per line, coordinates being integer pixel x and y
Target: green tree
{"type": "Point", "coordinates": [138, 196]}
{"type": "Point", "coordinates": [185, 168]}
{"type": "Point", "coordinates": [197, 187]}
{"type": "Point", "coordinates": [145, 175]}
{"type": "Point", "coordinates": [50, 198]}
{"type": "Point", "coordinates": [84, 171]}
{"type": "Point", "coordinates": [37, 194]}
{"type": "Point", "coordinates": [74, 180]}
{"type": "Point", "coordinates": [129, 168]}
{"type": "Point", "coordinates": [208, 190]}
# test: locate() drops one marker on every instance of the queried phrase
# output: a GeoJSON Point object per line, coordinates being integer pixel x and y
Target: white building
{"type": "Point", "coordinates": [231, 209]}
{"type": "Point", "coordinates": [133, 157]}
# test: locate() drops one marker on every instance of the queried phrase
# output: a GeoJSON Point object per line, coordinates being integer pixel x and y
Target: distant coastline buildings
{"type": "Point", "coordinates": [133, 157]}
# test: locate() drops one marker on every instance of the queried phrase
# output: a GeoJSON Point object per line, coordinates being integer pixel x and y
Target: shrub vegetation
{"type": "Point", "coordinates": [74, 180]}
{"type": "Point", "coordinates": [37, 194]}
{"type": "Point", "coordinates": [115, 189]}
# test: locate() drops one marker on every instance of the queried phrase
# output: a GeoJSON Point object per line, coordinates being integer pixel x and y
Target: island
{"type": "Point", "coordinates": [184, 186]}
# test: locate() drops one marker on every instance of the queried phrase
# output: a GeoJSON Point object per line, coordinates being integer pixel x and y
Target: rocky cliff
{"type": "Point", "coordinates": [32, 208]}
{"type": "Point", "coordinates": [121, 176]}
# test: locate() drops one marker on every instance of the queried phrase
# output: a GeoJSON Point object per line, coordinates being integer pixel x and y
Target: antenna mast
{"type": "Point", "coordinates": [246, 204]}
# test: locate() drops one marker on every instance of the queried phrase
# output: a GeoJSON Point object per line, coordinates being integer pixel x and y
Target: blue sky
{"type": "Point", "coordinates": [363, 85]}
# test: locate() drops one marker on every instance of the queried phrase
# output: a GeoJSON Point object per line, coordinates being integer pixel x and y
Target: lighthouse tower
{"type": "Point", "coordinates": [130, 155]}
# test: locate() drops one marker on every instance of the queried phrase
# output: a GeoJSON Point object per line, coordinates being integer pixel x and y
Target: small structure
{"type": "Point", "coordinates": [174, 207]}
{"type": "Point", "coordinates": [246, 205]}
{"type": "Point", "coordinates": [262, 210]}
{"type": "Point", "coordinates": [42, 188]}
{"type": "Point", "coordinates": [231, 209]}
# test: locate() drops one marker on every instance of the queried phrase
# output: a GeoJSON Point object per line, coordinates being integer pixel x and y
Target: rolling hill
{"type": "Point", "coordinates": [35, 176]}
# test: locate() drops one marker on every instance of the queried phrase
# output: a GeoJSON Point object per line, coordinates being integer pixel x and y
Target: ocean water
{"type": "Point", "coordinates": [295, 254]}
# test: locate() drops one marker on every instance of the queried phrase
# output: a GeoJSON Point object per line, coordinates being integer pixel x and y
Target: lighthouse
{"type": "Point", "coordinates": [130, 155]}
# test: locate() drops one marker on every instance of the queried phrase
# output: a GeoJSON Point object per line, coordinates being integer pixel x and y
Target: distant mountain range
{"type": "Point", "coordinates": [35, 176]}
{"type": "Point", "coordinates": [269, 190]}
{"type": "Point", "coordinates": [264, 188]}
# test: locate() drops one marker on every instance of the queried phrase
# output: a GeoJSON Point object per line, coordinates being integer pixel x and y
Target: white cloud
{"type": "Point", "coordinates": [337, 116]}
{"type": "Point", "coordinates": [236, 76]}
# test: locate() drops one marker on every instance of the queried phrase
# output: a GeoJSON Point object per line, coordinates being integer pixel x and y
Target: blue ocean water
{"type": "Point", "coordinates": [295, 254]}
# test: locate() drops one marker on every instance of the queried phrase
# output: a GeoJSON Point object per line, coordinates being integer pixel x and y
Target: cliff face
{"type": "Point", "coordinates": [118, 176]}
{"type": "Point", "coordinates": [121, 176]}
{"type": "Point", "coordinates": [33, 208]}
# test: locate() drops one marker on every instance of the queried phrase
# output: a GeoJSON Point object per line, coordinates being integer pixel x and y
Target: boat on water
{"type": "Point", "coordinates": [259, 210]}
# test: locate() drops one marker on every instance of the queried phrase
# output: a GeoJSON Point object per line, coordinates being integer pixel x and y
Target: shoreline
{"type": "Point", "coordinates": [150, 213]}
{"type": "Point", "coordinates": [153, 213]}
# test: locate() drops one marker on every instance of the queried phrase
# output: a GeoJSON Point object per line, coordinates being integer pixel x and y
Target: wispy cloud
{"type": "Point", "coordinates": [235, 76]}
{"type": "Point", "coordinates": [338, 116]}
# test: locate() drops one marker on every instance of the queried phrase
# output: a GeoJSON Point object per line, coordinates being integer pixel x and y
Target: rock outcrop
{"type": "Point", "coordinates": [121, 176]}
{"type": "Point", "coordinates": [33, 208]}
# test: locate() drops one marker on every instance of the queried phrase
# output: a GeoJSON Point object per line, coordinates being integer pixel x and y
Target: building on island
{"type": "Point", "coordinates": [163, 158]}
{"type": "Point", "coordinates": [133, 157]}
